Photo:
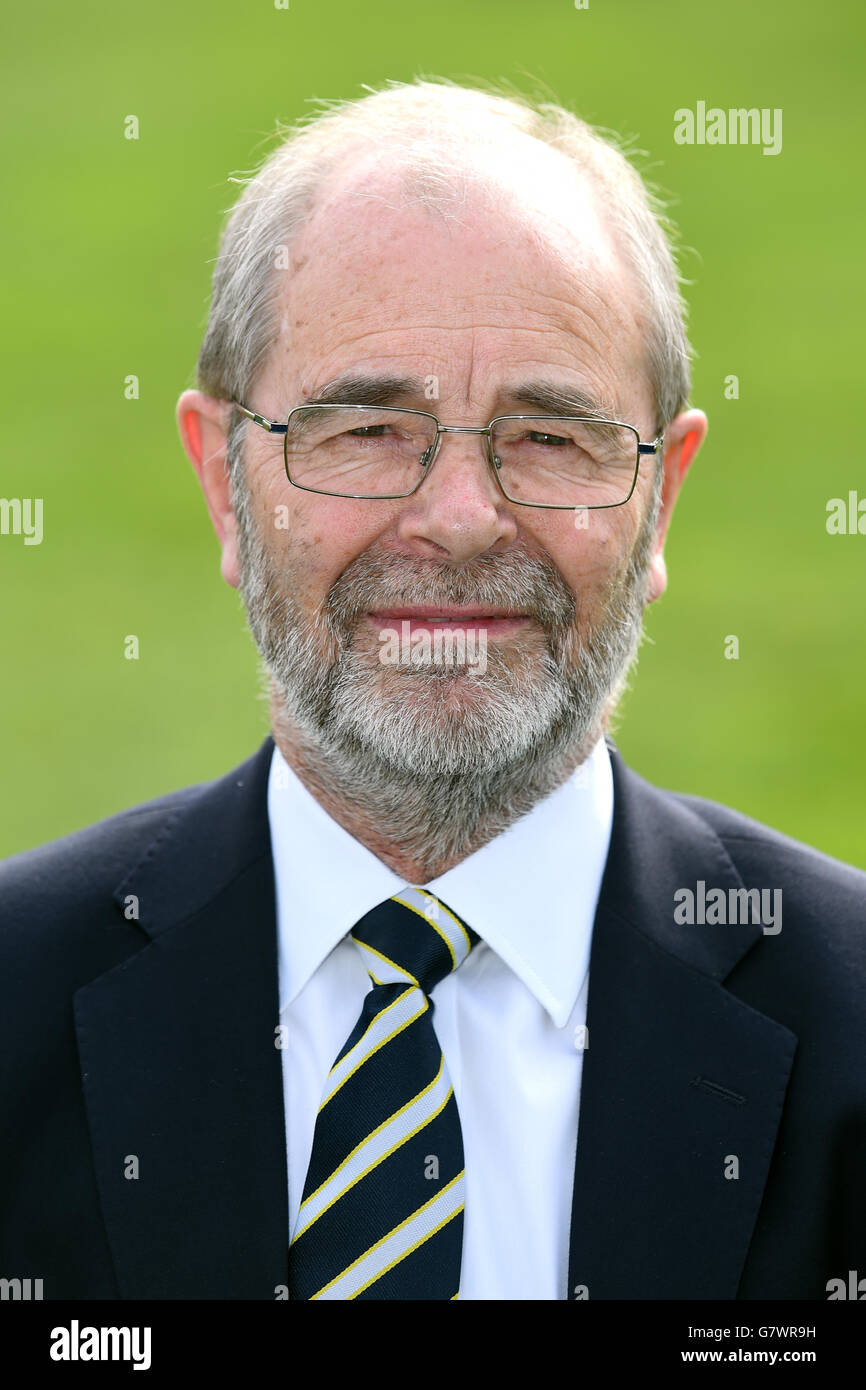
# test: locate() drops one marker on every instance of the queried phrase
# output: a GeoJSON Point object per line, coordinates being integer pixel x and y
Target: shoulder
{"type": "Point", "coordinates": [679, 841]}
{"type": "Point", "coordinates": [62, 894]}
{"type": "Point", "coordinates": [82, 905]}
{"type": "Point", "coordinates": [754, 846]}
{"type": "Point", "coordinates": [708, 869]}
{"type": "Point", "coordinates": [60, 921]}
{"type": "Point", "coordinates": [818, 903]}
{"type": "Point", "coordinates": [87, 863]}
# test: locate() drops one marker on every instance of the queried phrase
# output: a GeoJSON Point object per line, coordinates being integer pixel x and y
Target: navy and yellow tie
{"type": "Point", "coordinates": [382, 1209]}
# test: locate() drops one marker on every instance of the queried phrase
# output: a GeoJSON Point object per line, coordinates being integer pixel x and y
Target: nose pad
{"type": "Point", "coordinates": [492, 457]}
{"type": "Point", "coordinates": [429, 453]}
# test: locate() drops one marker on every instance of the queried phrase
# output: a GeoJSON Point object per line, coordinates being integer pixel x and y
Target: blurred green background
{"type": "Point", "coordinates": [107, 256]}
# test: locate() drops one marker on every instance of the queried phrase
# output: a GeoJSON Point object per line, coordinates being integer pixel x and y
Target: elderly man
{"type": "Point", "coordinates": [434, 997]}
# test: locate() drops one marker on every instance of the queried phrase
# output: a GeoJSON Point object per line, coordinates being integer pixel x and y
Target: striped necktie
{"type": "Point", "coordinates": [382, 1209]}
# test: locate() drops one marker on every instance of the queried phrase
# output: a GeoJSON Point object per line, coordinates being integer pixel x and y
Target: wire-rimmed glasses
{"type": "Point", "coordinates": [385, 453]}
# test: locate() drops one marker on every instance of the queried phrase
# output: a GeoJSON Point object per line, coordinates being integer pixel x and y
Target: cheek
{"type": "Point", "coordinates": [315, 538]}
{"type": "Point", "coordinates": [589, 549]}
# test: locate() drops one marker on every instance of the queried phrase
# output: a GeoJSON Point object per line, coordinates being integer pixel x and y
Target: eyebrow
{"type": "Point", "coordinates": [541, 397]}
{"type": "Point", "coordinates": [549, 398]}
{"type": "Point", "coordinates": [362, 389]}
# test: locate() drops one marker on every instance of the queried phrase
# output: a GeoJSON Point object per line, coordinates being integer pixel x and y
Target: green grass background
{"type": "Point", "coordinates": [107, 246]}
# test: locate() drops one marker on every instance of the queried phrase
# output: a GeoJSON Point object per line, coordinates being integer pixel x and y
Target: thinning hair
{"type": "Point", "coordinates": [424, 125]}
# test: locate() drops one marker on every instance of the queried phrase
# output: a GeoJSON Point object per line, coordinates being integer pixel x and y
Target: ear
{"type": "Point", "coordinates": [203, 424]}
{"type": "Point", "coordinates": [683, 437]}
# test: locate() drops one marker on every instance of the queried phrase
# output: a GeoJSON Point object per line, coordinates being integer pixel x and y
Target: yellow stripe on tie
{"type": "Point", "coordinates": [311, 1208]}
{"type": "Point", "coordinates": [456, 920]}
{"type": "Point", "coordinates": [400, 1242]}
{"type": "Point", "coordinates": [371, 1041]}
{"type": "Point", "coordinates": [405, 975]}
{"type": "Point", "coordinates": [405, 899]}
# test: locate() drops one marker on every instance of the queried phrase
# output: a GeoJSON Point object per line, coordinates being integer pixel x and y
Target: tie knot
{"type": "Point", "coordinates": [415, 934]}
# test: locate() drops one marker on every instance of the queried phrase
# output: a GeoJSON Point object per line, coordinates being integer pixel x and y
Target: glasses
{"type": "Point", "coordinates": [384, 453]}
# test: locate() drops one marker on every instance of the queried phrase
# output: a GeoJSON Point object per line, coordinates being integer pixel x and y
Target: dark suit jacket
{"type": "Point", "coordinates": [154, 1037]}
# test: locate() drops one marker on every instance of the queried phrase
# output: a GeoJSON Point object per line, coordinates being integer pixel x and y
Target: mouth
{"type": "Point", "coordinates": [494, 622]}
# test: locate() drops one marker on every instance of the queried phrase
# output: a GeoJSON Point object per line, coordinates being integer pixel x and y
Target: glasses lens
{"type": "Point", "coordinates": [564, 462]}
{"type": "Point", "coordinates": [358, 451]}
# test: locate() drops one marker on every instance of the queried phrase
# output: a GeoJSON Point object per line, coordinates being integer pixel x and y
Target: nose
{"type": "Point", "coordinates": [458, 510]}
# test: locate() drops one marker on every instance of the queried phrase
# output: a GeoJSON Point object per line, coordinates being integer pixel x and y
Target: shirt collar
{"type": "Point", "coordinates": [530, 893]}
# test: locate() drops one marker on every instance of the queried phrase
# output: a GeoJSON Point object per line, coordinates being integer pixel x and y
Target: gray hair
{"type": "Point", "coordinates": [422, 123]}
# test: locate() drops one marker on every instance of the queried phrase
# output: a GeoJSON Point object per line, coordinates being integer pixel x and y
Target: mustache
{"type": "Point", "coordinates": [526, 583]}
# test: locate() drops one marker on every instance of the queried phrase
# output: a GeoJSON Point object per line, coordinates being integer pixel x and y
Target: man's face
{"type": "Point", "coordinates": [472, 310]}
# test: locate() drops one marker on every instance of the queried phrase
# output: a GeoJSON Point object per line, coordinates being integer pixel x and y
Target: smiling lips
{"type": "Point", "coordinates": [431, 618]}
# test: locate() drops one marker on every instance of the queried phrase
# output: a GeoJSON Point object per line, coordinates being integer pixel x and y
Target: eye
{"type": "Point", "coordinates": [554, 440]}
{"type": "Point", "coordinates": [369, 431]}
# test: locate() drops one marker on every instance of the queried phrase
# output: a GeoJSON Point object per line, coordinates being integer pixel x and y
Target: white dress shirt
{"type": "Point", "coordinates": [509, 1021]}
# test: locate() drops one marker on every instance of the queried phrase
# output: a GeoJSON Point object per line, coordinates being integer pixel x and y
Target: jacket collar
{"type": "Point", "coordinates": [212, 835]}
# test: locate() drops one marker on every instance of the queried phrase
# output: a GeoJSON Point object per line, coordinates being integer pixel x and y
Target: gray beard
{"type": "Point", "coordinates": [439, 759]}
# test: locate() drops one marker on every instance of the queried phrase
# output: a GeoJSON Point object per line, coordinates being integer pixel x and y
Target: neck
{"type": "Point", "coordinates": [420, 827]}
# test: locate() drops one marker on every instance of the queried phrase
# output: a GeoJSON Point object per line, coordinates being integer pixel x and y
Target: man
{"type": "Point", "coordinates": [434, 997]}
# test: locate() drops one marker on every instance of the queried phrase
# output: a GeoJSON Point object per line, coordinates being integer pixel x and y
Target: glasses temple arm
{"type": "Point", "coordinates": [272, 426]}
{"type": "Point", "coordinates": [651, 448]}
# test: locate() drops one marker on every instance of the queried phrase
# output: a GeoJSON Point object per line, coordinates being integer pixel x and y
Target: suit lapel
{"type": "Point", "coordinates": [682, 1083]}
{"type": "Point", "coordinates": [181, 1074]}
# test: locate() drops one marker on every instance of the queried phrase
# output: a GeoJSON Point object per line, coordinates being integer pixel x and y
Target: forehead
{"type": "Point", "coordinates": [509, 270]}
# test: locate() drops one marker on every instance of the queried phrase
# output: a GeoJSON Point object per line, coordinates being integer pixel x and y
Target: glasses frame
{"type": "Point", "coordinates": [277, 427]}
